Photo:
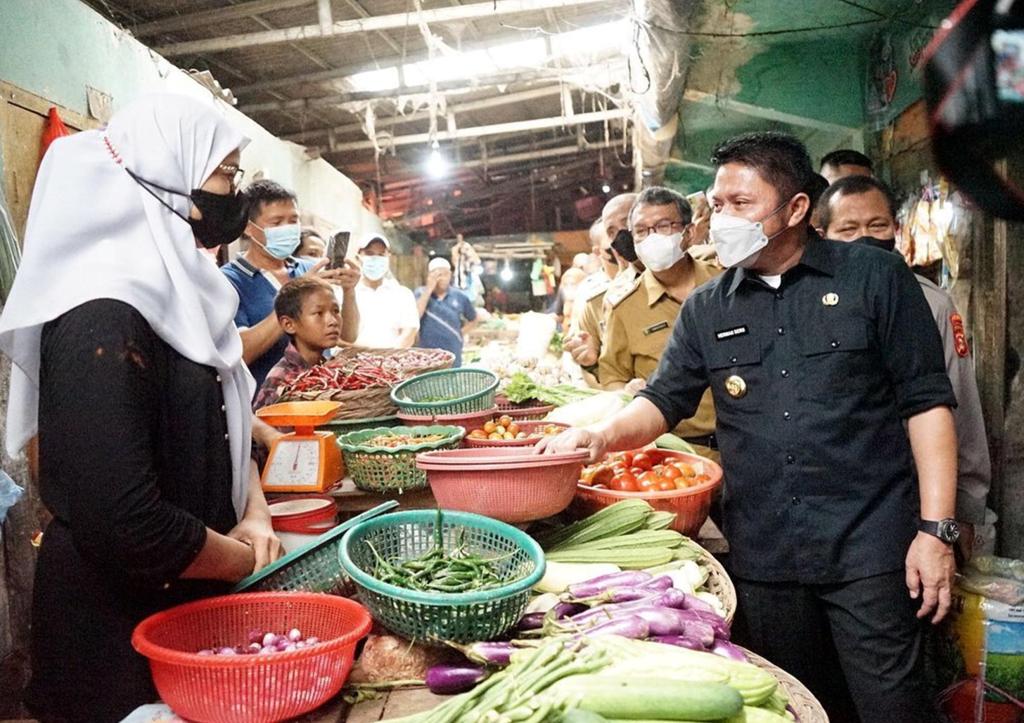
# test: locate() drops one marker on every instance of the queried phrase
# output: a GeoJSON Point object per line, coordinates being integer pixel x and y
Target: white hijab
{"type": "Point", "coordinates": [94, 233]}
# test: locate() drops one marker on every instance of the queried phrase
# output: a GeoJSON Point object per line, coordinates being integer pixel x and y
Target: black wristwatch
{"type": "Point", "coordinates": [946, 530]}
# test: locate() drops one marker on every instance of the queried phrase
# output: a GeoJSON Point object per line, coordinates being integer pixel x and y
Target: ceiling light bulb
{"type": "Point", "coordinates": [606, 188]}
{"type": "Point", "coordinates": [506, 273]}
{"type": "Point", "coordinates": [437, 165]}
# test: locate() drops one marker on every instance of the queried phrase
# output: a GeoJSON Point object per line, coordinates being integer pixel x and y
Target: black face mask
{"type": "Point", "coordinates": [224, 215]}
{"type": "Point", "coordinates": [886, 244]}
{"type": "Point", "coordinates": [623, 245]}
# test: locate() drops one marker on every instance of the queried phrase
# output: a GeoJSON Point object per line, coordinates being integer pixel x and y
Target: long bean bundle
{"type": "Point", "coordinates": [439, 570]}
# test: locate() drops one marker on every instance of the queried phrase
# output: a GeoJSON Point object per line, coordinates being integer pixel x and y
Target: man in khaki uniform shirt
{"type": "Point", "coordinates": [585, 344]}
{"type": "Point", "coordinates": [640, 324]}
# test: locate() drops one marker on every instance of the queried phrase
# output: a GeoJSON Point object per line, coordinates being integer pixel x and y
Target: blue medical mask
{"type": "Point", "coordinates": [281, 241]}
{"type": "Point", "coordinates": [375, 267]}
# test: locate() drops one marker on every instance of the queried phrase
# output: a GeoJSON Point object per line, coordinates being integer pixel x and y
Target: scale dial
{"type": "Point", "coordinates": [295, 463]}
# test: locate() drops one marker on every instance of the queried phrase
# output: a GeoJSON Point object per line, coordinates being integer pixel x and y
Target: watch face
{"type": "Point", "coordinates": [949, 531]}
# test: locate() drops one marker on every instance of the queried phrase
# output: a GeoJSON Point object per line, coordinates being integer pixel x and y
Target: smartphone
{"type": "Point", "coordinates": [338, 249]}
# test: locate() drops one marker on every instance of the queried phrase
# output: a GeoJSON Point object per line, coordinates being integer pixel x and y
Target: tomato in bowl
{"type": "Point", "coordinates": [670, 481]}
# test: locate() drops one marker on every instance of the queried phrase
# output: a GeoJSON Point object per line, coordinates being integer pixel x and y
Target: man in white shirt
{"type": "Point", "coordinates": [388, 315]}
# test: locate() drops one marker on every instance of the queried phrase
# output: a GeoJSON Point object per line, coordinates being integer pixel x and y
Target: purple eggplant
{"type": "Point", "coordinates": [728, 650]}
{"type": "Point", "coordinates": [669, 621]}
{"type": "Point", "coordinates": [679, 641]}
{"type": "Point", "coordinates": [531, 621]}
{"type": "Point", "coordinates": [662, 582]}
{"type": "Point", "coordinates": [629, 626]}
{"type": "Point", "coordinates": [453, 679]}
{"type": "Point", "coordinates": [670, 598]}
{"type": "Point", "coordinates": [716, 621]}
{"type": "Point", "coordinates": [565, 610]}
{"type": "Point", "coordinates": [497, 654]}
{"type": "Point", "coordinates": [597, 585]}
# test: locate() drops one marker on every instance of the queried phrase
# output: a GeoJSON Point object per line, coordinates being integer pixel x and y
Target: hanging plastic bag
{"type": "Point", "coordinates": [52, 130]}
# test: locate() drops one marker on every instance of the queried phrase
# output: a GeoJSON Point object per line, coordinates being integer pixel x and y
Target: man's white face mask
{"type": "Point", "coordinates": [740, 241]}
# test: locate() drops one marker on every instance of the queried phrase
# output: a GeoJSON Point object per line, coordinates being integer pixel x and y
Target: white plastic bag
{"type": "Point", "coordinates": [590, 410]}
{"type": "Point", "coordinates": [535, 333]}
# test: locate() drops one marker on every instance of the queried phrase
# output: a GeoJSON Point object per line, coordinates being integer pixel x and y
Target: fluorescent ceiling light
{"type": "Point", "coordinates": [374, 80]}
{"type": "Point", "coordinates": [532, 53]}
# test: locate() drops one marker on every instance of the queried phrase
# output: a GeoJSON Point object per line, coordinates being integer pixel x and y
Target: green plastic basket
{"type": "Point", "coordinates": [314, 567]}
{"type": "Point", "coordinates": [449, 391]}
{"type": "Point", "coordinates": [392, 469]}
{"type": "Point", "coordinates": [341, 427]}
{"type": "Point", "coordinates": [429, 617]}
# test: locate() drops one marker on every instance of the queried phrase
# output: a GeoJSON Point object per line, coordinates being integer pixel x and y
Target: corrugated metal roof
{"type": "Point", "coordinates": [241, 67]}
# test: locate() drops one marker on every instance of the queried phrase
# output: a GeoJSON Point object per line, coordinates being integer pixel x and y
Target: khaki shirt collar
{"type": "Point", "coordinates": [702, 273]}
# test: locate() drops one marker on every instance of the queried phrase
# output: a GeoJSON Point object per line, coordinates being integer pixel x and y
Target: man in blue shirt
{"type": "Point", "coordinates": [267, 264]}
{"type": "Point", "coordinates": [445, 312]}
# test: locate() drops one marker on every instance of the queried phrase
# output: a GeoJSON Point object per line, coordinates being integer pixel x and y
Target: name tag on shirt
{"type": "Point", "coordinates": [730, 333]}
{"type": "Point", "coordinates": [655, 327]}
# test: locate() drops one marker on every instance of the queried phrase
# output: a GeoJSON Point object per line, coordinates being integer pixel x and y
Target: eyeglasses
{"type": "Point", "coordinates": [662, 227]}
{"type": "Point", "coordinates": [235, 173]}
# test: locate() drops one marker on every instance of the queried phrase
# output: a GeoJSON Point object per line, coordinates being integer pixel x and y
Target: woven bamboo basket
{"type": "Point", "coordinates": [807, 708]}
{"type": "Point", "coordinates": [373, 401]}
{"type": "Point", "coordinates": [720, 585]}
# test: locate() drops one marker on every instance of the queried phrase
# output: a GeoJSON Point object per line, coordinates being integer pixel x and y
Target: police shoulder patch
{"type": "Point", "coordinates": [617, 294]}
{"type": "Point", "coordinates": [959, 335]}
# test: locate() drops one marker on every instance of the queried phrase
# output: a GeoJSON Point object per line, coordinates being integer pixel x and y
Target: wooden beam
{"type": "Point", "coordinates": [182, 21]}
{"type": "Point", "coordinates": [344, 71]}
{"type": "Point", "coordinates": [491, 130]}
{"type": "Point", "coordinates": [365, 25]}
{"type": "Point", "coordinates": [473, 105]}
{"type": "Point", "coordinates": [757, 111]}
{"type": "Point", "coordinates": [479, 82]}
{"type": "Point", "coordinates": [363, 13]}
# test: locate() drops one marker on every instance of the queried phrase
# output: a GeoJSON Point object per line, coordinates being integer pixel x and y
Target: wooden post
{"type": "Point", "coordinates": [990, 338]}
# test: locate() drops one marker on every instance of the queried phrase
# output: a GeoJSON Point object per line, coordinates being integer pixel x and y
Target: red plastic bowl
{"type": "Point", "coordinates": [528, 427]}
{"type": "Point", "coordinates": [524, 411]}
{"type": "Point", "coordinates": [513, 485]}
{"type": "Point", "coordinates": [468, 421]}
{"type": "Point", "coordinates": [691, 505]}
{"type": "Point", "coordinates": [250, 688]}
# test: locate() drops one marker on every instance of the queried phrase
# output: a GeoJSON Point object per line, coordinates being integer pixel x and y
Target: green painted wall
{"type": "Point", "coordinates": [55, 48]}
{"type": "Point", "coordinates": [821, 79]}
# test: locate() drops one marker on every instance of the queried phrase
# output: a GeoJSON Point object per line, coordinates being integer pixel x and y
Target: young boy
{"type": "Point", "coordinates": [308, 311]}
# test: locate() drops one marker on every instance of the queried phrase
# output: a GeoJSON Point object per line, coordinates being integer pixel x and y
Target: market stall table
{"type": "Point", "coordinates": [351, 501]}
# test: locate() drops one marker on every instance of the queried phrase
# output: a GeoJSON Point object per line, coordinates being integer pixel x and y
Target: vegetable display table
{"type": "Point", "coordinates": [352, 501]}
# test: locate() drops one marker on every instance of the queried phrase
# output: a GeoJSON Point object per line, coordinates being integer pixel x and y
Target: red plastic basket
{"type": "Point", "coordinates": [250, 688]}
{"type": "Point", "coordinates": [512, 485]}
{"type": "Point", "coordinates": [470, 420]}
{"type": "Point", "coordinates": [691, 506]}
{"type": "Point", "coordinates": [528, 427]}
{"type": "Point", "coordinates": [530, 409]}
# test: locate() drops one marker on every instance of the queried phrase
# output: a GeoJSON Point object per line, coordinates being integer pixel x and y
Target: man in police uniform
{"type": "Point", "coordinates": [816, 352]}
{"type": "Point", "coordinates": [863, 209]}
{"type": "Point", "coordinates": [640, 324]}
{"type": "Point", "coordinates": [585, 346]}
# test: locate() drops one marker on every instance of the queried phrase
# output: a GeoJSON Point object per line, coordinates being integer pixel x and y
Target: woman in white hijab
{"type": "Point", "coordinates": [128, 366]}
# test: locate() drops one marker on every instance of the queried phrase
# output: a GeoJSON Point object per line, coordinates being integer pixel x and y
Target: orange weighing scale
{"type": "Point", "coordinates": [304, 460]}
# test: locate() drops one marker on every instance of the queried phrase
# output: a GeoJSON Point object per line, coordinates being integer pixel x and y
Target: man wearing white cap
{"type": "Point", "coordinates": [388, 317]}
{"type": "Point", "coordinates": [444, 310]}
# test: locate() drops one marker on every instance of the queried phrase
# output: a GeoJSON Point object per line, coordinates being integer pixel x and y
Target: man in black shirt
{"type": "Point", "coordinates": [815, 352]}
